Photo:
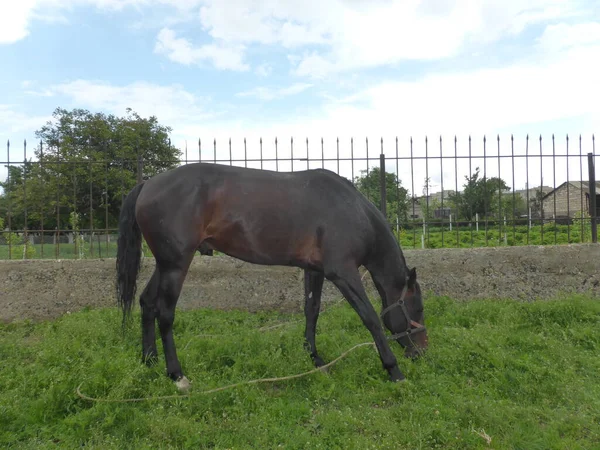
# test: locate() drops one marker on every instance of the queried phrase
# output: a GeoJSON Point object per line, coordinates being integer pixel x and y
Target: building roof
{"type": "Point", "coordinates": [579, 185]}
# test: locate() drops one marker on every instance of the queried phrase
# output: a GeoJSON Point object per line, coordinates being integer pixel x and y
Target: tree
{"type": "Point", "coordinates": [482, 196]}
{"type": "Point", "coordinates": [85, 163]}
{"type": "Point", "coordinates": [369, 184]}
{"type": "Point", "coordinates": [429, 204]}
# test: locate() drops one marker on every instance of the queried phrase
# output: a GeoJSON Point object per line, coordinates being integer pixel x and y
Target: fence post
{"type": "Point", "coordinates": [593, 206]}
{"type": "Point", "coordinates": [382, 187]}
{"type": "Point", "coordinates": [140, 169]}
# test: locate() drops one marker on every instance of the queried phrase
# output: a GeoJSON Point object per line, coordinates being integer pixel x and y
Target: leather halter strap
{"type": "Point", "coordinates": [413, 326]}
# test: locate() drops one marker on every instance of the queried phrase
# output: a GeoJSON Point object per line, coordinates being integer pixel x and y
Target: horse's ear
{"type": "Point", "coordinates": [412, 277]}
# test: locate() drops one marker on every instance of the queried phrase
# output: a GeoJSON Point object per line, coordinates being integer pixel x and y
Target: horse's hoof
{"type": "Point", "coordinates": [318, 361]}
{"type": "Point", "coordinates": [183, 384]}
{"type": "Point", "coordinates": [396, 375]}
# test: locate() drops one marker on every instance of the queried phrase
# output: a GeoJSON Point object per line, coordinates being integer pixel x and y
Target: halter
{"type": "Point", "coordinates": [416, 326]}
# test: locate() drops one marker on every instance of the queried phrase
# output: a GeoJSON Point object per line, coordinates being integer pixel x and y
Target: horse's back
{"type": "Point", "coordinates": [262, 216]}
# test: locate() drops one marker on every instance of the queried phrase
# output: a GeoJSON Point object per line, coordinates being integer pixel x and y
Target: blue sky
{"type": "Point", "coordinates": [339, 68]}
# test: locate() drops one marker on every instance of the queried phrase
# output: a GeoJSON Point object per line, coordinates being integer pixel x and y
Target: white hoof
{"type": "Point", "coordinates": [183, 384]}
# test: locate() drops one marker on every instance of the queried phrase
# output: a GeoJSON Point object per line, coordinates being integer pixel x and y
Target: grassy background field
{"type": "Point", "coordinates": [525, 375]}
{"type": "Point", "coordinates": [434, 237]}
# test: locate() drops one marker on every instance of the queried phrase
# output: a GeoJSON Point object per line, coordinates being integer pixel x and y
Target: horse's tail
{"type": "Point", "coordinates": [129, 252]}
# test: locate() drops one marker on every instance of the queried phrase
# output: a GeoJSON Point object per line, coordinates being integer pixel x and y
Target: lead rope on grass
{"type": "Point", "coordinates": [222, 388]}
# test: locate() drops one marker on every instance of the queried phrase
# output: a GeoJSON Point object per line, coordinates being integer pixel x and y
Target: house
{"type": "Point", "coordinates": [419, 205]}
{"type": "Point", "coordinates": [533, 193]}
{"type": "Point", "coordinates": [569, 199]}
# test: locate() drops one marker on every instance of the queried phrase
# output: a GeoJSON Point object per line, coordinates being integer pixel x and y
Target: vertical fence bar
{"type": "Point", "coordinates": [276, 156]}
{"type": "Point", "coordinates": [470, 175]}
{"type": "Point", "coordinates": [397, 182]}
{"type": "Point", "coordinates": [382, 186]}
{"type": "Point", "coordinates": [106, 200]}
{"type": "Point", "coordinates": [352, 157]}
{"type": "Point", "coordinates": [307, 156]}
{"type": "Point", "coordinates": [527, 185]}
{"type": "Point", "coordinates": [246, 154]}
{"type": "Point", "coordinates": [428, 217]}
{"type": "Point", "coordinates": [57, 234]}
{"type": "Point", "coordinates": [541, 194]}
{"type": "Point", "coordinates": [9, 182]}
{"type": "Point", "coordinates": [91, 229]}
{"type": "Point", "coordinates": [442, 212]}
{"type": "Point", "coordinates": [554, 188]}
{"type": "Point", "coordinates": [337, 146]}
{"type": "Point", "coordinates": [25, 227]}
{"type": "Point", "coordinates": [592, 193]}
{"type": "Point", "coordinates": [367, 145]}
{"type": "Point", "coordinates": [322, 155]}
{"type": "Point", "coordinates": [292, 153]}
{"type": "Point", "coordinates": [568, 196]}
{"type": "Point", "coordinates": [485, 198]}
{"type": "Point", "coordinates": [43, 196]}
{"type": "Point", "coordinates": [456, 221]}
{"type": "Point", "coordinates": [414, 196]}
{"type": "Point", "coordinates": [231, 155]}
{"type": "Point", "coordinates": [514, 220]}
{"type": "Point", "coordinates": [500, 195]}
{"type": "Point", "coordinates": [582, 205]}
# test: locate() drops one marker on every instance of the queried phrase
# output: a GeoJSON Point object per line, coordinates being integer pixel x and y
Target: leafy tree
{"type": "Point", "coordinates": [86, 162]}
{"type": "Point", "coordinates": [396, 195]}
{"type": "Point", "coordinates": [513, 205]}
{"type": "Point", "coordinates": [481, 195]}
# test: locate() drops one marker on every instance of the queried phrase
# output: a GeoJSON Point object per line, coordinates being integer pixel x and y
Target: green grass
{"type": "Point", "coordinates": [526, 374]}
{"type": "Point", "coordinates": [549, 234]}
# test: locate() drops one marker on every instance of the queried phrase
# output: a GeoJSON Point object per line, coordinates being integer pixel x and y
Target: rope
{"type": "Point", "coordinates": [219, 389]}
{"type": "Point", "coordinates": [231, 386]}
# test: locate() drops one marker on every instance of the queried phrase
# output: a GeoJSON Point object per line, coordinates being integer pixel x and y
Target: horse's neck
{"type": "Point", "coordinates": [392, 267]}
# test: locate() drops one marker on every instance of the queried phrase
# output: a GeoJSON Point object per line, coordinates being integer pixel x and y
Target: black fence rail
{"type": "Point", "coordinates": [434, 193]}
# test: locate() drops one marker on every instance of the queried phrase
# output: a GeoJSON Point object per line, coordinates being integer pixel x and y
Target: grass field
{"type": "Point", "coordinates": [435, 237]}
{"type": "Point", "coordinates": [525, 375]}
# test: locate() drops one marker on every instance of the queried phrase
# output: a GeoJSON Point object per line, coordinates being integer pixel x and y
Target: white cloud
{"type": "Point", "coordinates": [551, 95]}
{"type": "Point", "coordinates": [180, 50]}
{"type": "Point", "coordinates": [354, 35]}
{"type": "Point", "coordinates": [562, 36]}
{"type": "Point", "coordinates": [14, 20]}
{"type": "Point", "coordinates": [265, 93]}
{"type": "Point", "coordinates": [167, 103]}
{"type": "Point", "coordinates": [13, 121]}
{"type": "Point", "coordinates": [16, 16]}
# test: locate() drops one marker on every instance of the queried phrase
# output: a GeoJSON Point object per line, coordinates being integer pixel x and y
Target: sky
{"type": "Point", "coordinates": [371, 71]}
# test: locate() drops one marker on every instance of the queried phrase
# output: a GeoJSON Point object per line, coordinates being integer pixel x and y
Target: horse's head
{"type": "Point", "coordinates": [404, 317]}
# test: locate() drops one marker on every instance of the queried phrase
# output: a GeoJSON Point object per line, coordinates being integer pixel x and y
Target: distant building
{"type": "Point", "coordinates": [419, 204]}
{"type": "Point", "coordinates": [569, 199]}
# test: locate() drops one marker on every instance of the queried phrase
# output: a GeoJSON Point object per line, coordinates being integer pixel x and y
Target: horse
{"type": "Point", "coordinates": [315, 220]}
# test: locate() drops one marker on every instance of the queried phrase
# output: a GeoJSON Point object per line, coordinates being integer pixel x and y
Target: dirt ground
{"type": "Point", "coordinates": [41, 290]}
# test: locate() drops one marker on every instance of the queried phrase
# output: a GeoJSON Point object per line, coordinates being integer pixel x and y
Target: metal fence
{"type": "Point", "coordinates": [435, 193]}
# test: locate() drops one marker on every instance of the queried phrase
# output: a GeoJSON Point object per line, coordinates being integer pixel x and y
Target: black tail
{"type": "Point", "coordinates": [129, 252]}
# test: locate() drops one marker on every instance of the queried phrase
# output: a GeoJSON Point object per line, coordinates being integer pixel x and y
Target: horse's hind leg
{"type": "Point", "coordinates": [149, 313]}
{"type": "Point", "coordinates": [169, 288]}
{"type": "Point", "coordinates": [313, 286]}
{"type": "Point", "coordinates": [347, 280]}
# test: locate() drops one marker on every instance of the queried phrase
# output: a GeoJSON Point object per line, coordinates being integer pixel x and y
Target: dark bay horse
{"type": "Point", "coordinates": [315, 220]}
